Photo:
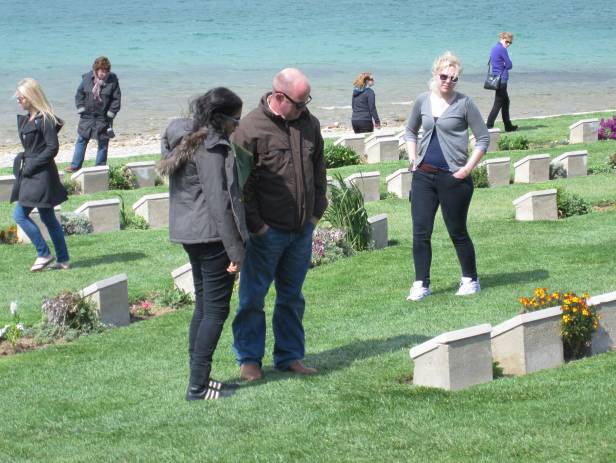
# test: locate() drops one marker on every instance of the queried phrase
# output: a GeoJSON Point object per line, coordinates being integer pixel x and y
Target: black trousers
{"type": "Point", "coordinates": [362, 126]}
{"type": "Point", "coordinates": [501, 103]}
{"type": "Point", "coordinates": [428, 191]}
{"type": "Point", "coordinates": [213, 289]}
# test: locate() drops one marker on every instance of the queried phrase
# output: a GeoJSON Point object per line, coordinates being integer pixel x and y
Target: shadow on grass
{"type": "Point", "coordinates": [530, 127]}
{"type": "Point", "coordinates": [342, 357]}
{"type": "Point", "coordinates": [506, 278]}
{"type": "Point", "coordinates": [108, 259]}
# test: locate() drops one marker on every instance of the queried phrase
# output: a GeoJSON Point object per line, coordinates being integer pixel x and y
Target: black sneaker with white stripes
{"type": "Point", "coordinates": [207, 393]}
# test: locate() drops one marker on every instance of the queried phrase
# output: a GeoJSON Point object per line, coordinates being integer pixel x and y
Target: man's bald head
{"type": "Point", "coordinates": [290, 88]}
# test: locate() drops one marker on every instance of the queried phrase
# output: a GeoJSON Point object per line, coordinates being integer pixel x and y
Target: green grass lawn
{"type": "Point", "coordinates": [118, 395]}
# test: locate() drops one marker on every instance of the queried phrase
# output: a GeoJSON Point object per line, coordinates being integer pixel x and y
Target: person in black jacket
{"type": "Point", "coordinates": [98, 101]}
{"type": "Point", "coordinates": [206, 215]}
{"type": "Point", "coordinates": [37, 183]}
{"type": "Point", "coordinates": [364, 108]}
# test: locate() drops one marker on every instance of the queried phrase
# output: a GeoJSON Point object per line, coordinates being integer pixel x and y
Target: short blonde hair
{"type": "Point", "coordinates": [446, 60]}
{"type": "Point", "coordinates": [360, 81]}
{"type": "Point", "coordinates": [32, 91]}
{"type": "Point", "coordinates": [505, 36]}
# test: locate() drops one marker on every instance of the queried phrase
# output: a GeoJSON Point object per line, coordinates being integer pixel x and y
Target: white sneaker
{"type": "Point", "coordinates": [418, 291]}
{"type": "Point", "coordinates": [468, 287]}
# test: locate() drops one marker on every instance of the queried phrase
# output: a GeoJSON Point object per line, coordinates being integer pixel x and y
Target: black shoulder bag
{"type": "Point", "coordinates": [493, 81]}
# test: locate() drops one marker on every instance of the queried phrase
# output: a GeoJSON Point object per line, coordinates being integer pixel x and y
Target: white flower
{"type": "Point", "coordinates": [13, 308]}
{"type": "Point", "coordinates": [3, 330]}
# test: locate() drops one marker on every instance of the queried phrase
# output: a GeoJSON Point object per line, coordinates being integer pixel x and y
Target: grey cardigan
{"type": "Point", "coordinates": [451, 128]}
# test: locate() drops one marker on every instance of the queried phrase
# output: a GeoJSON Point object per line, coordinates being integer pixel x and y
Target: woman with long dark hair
{"type": "Point", "coordinates": [206, 216]}
{"type": "Point", "coordinates": [37, 181]}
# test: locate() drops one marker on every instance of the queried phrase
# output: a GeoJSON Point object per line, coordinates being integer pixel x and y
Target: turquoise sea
{"type": "Point", "coordinates": [165, 52]}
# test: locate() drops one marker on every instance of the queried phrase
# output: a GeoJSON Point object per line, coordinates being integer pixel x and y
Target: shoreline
{"type": "Point", "coordinates": [147, 144]}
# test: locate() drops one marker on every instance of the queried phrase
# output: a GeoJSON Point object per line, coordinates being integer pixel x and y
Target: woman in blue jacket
{"type": "Point", "coordinates": [501, 64]}
{"type": "Point", "coordinates": [364, 108]}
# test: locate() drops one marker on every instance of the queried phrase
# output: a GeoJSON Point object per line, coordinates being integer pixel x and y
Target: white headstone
{"type": "Point", "coordinates": [368, 183]}
{"type": "Point", "coordinates": [498, 171]}
{"type": "Point", "coordinates": [532, 169]}
{"type": "Point", "coordinates": [154, 209]}
{"type": "Point", "coordinates": [111, 299]}
{"type": "Point", "coordinates": [144, 172]}
{"type": "Point", "coordinates": [355, 142]}
{"type": "Point", "coordinates": [573, 162]}
{"type": "Point", "coordinates": [536, 205]}
{"type": "Point", "coordinates": [584, 131]}
{"type": "Point", "coordinates": [103, 214]}
{"type": "Point", "coordinates": [92, 179]}
{"type": "Point", "coordinates": [6, 186]}
{"type": "Point", "coordinates": [399, 183]}
{"type": "Point", "coordinates": [183, 279]}
{"type": "Point", "coordinates": [378, 230]}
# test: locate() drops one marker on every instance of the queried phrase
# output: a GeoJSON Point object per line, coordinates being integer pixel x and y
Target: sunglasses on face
{"type": "Point", "coordinates": [298, 104]}
{"type": "Point", "coordinates": [235, 120]}
{"type": "Point", "coordinates": [445, 77]}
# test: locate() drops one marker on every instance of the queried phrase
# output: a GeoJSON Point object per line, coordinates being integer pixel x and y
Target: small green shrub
{"type": "Point", "coordinates": [513, 142]}
{"type": "Point", "coordinates": [480, 177]}
{"type": "Point", "coordinates": [69, 311]}
{"type": "Point", "coordinates": [75, 224]}
{"type": "Point", "coordinates": [557, 170]}
{"type": "Point", "coordinates": [121, 178]}
{"type": "Point", "coordinates": [129, 220]}
{"type": "Point", "coordinates": [338, 156]}
{"type": "Point", "coordinates": [608, 167]}
{"type": "Point", "coordinates": [346, 210]}
{"type": "Point", "coordinates": [71, 186]}
{"type": "Point", "coordinates": [174, 298]}
{"type": "Point", "coordinates": [403, 155]}
{"type": "Point", "coordinates": [570, 204]}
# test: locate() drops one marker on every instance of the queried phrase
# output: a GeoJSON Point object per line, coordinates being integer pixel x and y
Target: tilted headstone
{"type": "Point", "coordinates": [6, 186]}
{"type": "Point", "coordinates": [111, 299]}
{"type": "Point", "coordinates": [35, 216]}
{"type": "Point", "coordinates": [454, 360]}
{"type": "Point", "coordinates": [382, 150]}
{"type": "Point", "coordinates": [584, 131]}
{"type": "Point", "coordinates": [604, 339]}
{"type": "Point", "coordinates": [368, 184]}
{"type": "Point", "coordinates": [355, 142]}
{"type": "Point", "coordinates": [103, 214]}
{"type": "Point", "coordinates": [154, 209]}
{"type": "Point", "coordinates": [574, 163]}
{"type": "Point", "coordinates": [498, 171]}
{"type": "Point", "coordinates": [380, 134]}
{"type": "Point", "coordinates": [183, 279]}
{"type": "Point", "coordinates": [532, 169]}
{"type": "Point", "coordinates": [144, 172]}
{"type": "Point", "coordinates": [399, 183]}
{"type": "Point", "coordinates": [92, 179]}
{"type": "Point", "coordinates": [378, 230]}
{"type": "Point", "coordinates": [529, 342]}
{"type": "Point", "coordinates": [536, 205]}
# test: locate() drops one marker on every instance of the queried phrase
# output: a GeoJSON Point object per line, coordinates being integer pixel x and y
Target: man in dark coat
{"type": "Point", "coordinates": [98, 101]}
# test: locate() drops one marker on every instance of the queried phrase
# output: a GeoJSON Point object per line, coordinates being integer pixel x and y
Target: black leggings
{"type": "Point", "coordinates": [213, 289]}
{"type": "Point", "coordinates": [362, 126]}
{"type": "Point", "coordinates": [428, 191]}
{"type": "Point", "coordinates": [501, 103]}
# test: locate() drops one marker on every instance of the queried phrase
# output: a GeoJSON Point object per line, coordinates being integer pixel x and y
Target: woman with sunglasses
{"type": "Point", "coordinates": [441, 170]}
{"type": "Point", "coordinates": [500, 65]}
{"type": "Point", "coordinates": [37, 183]}
{"type": "Point", "coordinates": [206, 216]}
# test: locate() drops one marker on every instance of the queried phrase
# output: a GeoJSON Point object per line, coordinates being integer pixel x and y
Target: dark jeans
{"type": "Point", "coordinates": [428, 191]}
{"type": "Point", "coordinates": [80, 151]}
{"type": "Point", "coordinates": [282, 257]}
{"type": "Point", "coordinates": [362, 126]}
{"type": "Point", "coordinates": [213, 289]}
{"type": "Point", "coordinates": [501, 103]}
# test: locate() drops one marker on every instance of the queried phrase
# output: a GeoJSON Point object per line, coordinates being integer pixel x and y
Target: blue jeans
{"type": "Point", "coordinates": [22, 217]}
{"type": "Point", "coordinates": [282, 257]}
{"type": "Point", "coordinates": [80, 151]}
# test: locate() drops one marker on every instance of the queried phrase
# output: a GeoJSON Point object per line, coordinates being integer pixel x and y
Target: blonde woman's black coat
{"type": "Point", "coordinates": [37, 183]}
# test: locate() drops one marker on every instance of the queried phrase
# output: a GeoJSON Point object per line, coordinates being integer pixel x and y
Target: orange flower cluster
{"type": "Point", "coordinates": [9, 235]}
{"type": "Point", "coordinates": [579, 320]}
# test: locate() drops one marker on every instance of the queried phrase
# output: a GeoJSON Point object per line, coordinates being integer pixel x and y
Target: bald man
{"type": "Point", "coordinates": [284, 199]}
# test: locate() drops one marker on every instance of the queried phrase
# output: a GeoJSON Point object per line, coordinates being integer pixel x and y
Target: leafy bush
{"type": "Point", "coordinates": [129, 220]}
{"type": "Point", "coordinates": [71, 186]}
{"type": "Point", "coordinates": [338, 156]}
{"type": "Point", "coordinates": [608, 167]}
{"type": "Point", "coordinates": [9, 235]}
{"type": "Point", "coordinates": [403, 155]}
{"type": "Point", "coordinates": [607, 129]}
{"type": "Point", "coordinates": [328, 245]}
{"type": "Point", "coordinates": [346, 210]}
{"type": "Point", "coordinates": [557, 170]}
{"type": "Point", "coordinates": [121, 178]}
{"type": "Point", "coordinates": [174, 298]}
{"type": "Point", "coordinates": [75, 224]}
{"type": "Point", "coordinates": [513, 142]}
{"type": "Point", "coordinates": [480, 177]}
{"type": "Point", "coordinates": [569, 204]}
{"type": "Point", "coordinates": [70, 311]}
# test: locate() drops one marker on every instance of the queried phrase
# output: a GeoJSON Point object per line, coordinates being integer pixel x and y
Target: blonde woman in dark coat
{"type": "Point", "coordinates": [37, 183]}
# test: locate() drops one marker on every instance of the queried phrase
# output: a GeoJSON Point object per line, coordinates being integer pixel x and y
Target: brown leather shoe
{"type": "Point", "coordinates": [70, 169]}
{"type": "Point", "coordinates": [299, 368]}
{"type": "Point", "coordinates": [250, 372]}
